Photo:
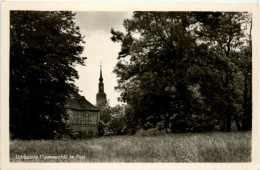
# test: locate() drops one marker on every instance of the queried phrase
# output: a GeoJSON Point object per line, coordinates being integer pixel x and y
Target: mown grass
{"type": "Point", "coordinates": [206, 147]}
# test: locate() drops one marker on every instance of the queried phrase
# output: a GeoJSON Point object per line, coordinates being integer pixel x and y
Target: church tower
{"type": "Point", "coordinates": [101, 95]}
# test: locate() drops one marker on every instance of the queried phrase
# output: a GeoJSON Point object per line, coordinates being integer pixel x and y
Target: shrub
{"type": "Point", "coordinates": [90, 133]}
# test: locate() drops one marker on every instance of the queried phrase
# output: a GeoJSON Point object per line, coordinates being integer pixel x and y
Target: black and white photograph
{"type": "Point", "coordinates": [131, 86]}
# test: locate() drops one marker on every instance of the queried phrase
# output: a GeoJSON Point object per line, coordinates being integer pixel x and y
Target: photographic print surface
{"type": "Point", "coordinates": [130, 86]}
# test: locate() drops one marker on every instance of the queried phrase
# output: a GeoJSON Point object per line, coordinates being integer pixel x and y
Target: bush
{"type": "Point", "coordinates": [114, 121]}
{"type": "Point", "coordinates": [101, 130]}
{"type": "Point", "coordinates": [75, 135]}
{"type": "Point", "coordinates": [90, 133]}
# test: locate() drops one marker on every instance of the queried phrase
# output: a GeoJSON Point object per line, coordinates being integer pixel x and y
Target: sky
{"type": "Point", "coordinates": [99, 48]}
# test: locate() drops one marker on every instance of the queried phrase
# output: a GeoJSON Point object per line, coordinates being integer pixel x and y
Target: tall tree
{"type": "Point", "coordinates": [177, 71]}
{"type": "Point", "coordinates": [225, 36]}
{"type": "Point", "coordinates": [160, 46]}
{"type": "Point", "coordinates": [244, 63]}
{"type": "Point", "coordinates": [44, 47]}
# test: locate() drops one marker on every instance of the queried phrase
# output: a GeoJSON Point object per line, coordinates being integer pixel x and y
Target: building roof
{"type": "Point", "coordinates": [78, 102]}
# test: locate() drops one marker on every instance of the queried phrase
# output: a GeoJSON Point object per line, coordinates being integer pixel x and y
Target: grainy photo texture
{"type": "Point", "coordinates": [169, 86]}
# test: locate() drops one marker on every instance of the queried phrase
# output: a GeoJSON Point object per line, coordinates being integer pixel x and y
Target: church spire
{"type": "Point", "coordinates": [101, 95]}
{"type": "Point", "coordinates": [101, 84]}
{"type": "Point", "coordinates": [100, 78]}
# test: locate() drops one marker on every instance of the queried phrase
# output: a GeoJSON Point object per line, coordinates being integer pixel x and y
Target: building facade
{"type": "Point", "coordinates": [101, 96]}
{"type": "Point", "coordinates": [84, 117]}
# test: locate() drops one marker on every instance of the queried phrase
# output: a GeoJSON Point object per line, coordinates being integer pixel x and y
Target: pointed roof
{"type": "Point", "coordinates": [100, 78]}
{"type": "Point", "coordinates": [78, 102]}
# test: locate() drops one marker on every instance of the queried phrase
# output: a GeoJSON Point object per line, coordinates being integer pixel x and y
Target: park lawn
{"type": "Point", "coordinates": [188, 147]}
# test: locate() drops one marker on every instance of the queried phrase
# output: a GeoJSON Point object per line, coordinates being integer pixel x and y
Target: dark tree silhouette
{"type": "Point", "coordinates": [178, 71]}
{"type": "Point", "coordinates": [44, 47]}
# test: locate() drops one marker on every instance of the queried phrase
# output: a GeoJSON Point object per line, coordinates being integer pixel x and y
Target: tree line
{"type": "Point", "coordinates": [186, 71]}
{"type": "Point", "coordinates": [177, 71]}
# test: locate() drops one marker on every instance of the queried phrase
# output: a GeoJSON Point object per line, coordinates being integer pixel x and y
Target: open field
{"type": "Point", "coordinates": [201, 147]}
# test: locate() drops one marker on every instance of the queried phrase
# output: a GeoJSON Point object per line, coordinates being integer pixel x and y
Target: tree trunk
{"type": "Point", "coordinates": [237, 124]}
{"type": "Point", "coordinates": [244, 120]}
{"type": "Point", "coordinates": [247, 105]}
{"type": "Point", "coordinates": [228, 121]}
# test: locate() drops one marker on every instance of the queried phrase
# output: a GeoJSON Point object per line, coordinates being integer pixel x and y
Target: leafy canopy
{"type": "Point", "coordinates": [44, 48]}
{"type": "Point", "coordinates": [178, 70]}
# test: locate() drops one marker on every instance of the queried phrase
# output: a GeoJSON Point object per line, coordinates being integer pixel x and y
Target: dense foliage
{"type": "Point", "coordinates": [186, 71]}
{"type": "Point", "coordinates": [114, 120]}
{"type": "Point", "coordinates": [44, 47]}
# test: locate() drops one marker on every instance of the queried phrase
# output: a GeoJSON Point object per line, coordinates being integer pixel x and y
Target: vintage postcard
{"type": "Point", "coordinates": [129, 85]}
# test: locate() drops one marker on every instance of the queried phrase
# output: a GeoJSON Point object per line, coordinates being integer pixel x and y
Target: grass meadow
{"type": "Point", "coordinates": [189, 147]}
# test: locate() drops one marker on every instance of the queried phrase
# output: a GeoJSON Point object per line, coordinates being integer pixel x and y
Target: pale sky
{"type": "Point", "coordinates": [96, 27]}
